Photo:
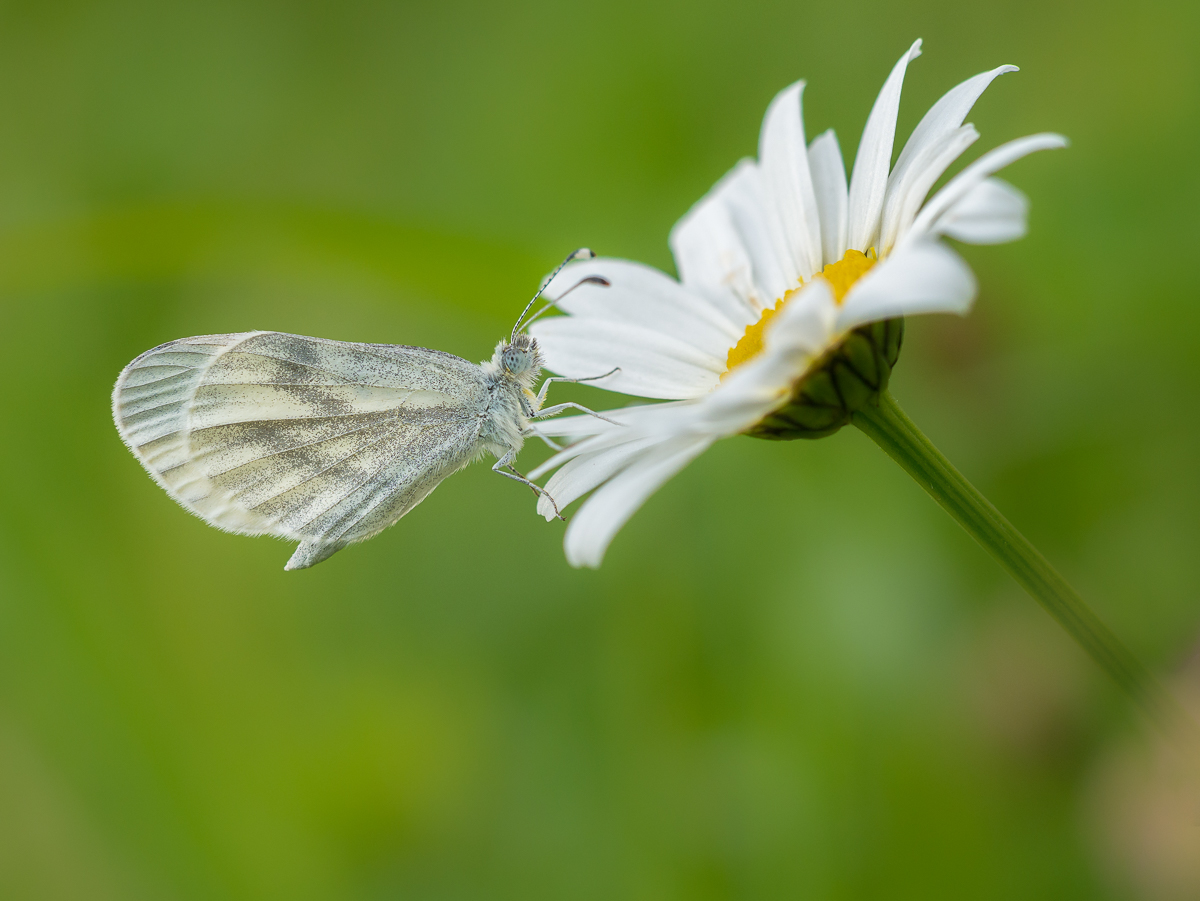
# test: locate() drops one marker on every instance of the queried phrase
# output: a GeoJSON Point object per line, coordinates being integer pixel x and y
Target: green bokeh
{"type": "Point", "coordinates": [794, 676]}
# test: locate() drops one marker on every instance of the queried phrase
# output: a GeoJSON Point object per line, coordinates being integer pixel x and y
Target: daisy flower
{"type": "Point", "coordinates": [786, 314]}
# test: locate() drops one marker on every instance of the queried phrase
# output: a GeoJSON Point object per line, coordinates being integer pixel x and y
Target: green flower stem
{"type": "Point", "coordinates": [885, 423]}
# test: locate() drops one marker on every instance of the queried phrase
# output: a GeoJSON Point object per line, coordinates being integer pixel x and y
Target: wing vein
{"type": "Point", "coordinates": [221, 425]}
{"type": "Point", "coordinates": [352, 490]}
{"type": "Point", "coordinates": [378, 500]}
{"type": "Point", "coordinates": [307, 385]}
{"type": "Point", "coordinates": [277, 359]}
{"type": "Point", "coordinates": [358, 348]}
{"type": "Point", "coordinates": [286, 450]}
{"type": "Point", "coordinates": [155, 407]}
{"type": "Point", "coordinates": [173, 375]}
{"type": "Point", "coordinates": [359, 452]}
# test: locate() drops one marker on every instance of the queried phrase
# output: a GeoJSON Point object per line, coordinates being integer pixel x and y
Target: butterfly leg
{"type": "Point", "coordinates": [505, 462]}
{"type": "Point", "coordinates": [541, 398]}
{"type": "Point", "coordinates": [546, 438]}
{"type": "Point", "coordinates": [559, 408]}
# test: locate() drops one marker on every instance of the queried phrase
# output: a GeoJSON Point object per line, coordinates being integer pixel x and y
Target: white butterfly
{"type": "Point", "coordinates": [324, 442]}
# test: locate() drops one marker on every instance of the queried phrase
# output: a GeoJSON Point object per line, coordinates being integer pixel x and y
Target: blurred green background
{"type": "Point", "coordinates": [794, 676]}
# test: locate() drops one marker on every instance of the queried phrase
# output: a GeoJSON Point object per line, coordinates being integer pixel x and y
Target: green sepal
{"type": "Point", "coordinates": [848, 377]}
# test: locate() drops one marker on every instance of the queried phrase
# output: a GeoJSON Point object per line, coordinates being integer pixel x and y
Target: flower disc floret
{"type": "Point", "coordinates": [840, 275]}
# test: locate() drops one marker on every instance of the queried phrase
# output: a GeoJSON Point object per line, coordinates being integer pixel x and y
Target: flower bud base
{"type": "Point", "coordinates": [851, 375]}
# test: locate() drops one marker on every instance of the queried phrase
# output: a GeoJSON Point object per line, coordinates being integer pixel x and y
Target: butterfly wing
{"type": "Point", "coordinates": [323, 442]}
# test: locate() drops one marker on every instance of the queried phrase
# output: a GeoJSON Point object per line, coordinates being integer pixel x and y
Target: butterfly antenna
{"type": "Point", "coordinates": [581, 254]}
{"type": "Point", "coordinates": [590, 280]}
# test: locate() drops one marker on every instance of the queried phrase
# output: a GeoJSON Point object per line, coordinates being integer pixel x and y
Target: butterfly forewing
{"type": "Point", "coordinates": [319, 441]}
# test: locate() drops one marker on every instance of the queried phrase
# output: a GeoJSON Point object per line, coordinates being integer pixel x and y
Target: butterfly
{"type": "Point", "coordinates": [326, 442]}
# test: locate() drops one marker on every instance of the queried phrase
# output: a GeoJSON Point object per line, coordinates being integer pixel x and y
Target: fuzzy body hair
{"type": "Point", "coordinates": [510, 375]}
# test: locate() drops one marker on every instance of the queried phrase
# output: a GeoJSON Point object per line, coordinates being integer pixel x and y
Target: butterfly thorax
{"type": "Point", "coordinates": [510, 374]}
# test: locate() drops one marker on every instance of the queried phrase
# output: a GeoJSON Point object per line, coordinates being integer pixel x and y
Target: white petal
{"type": "Point", "coordinates": [643, 296]}
{"type": "Point", "coordinates": [749, 213]}
{"type": "Point", "coordinates": [764, 385]}
{"type": "Point", "coordinates": [569, 453]}
{"type": "Point", "coordinates": [596, 437]}
{"type": "Point", "coordinates": [993, 213]}
{"type": "Point", "coordinates": [963, 183]}
{"type": "Point", "coordinates": [805, 324]}
{"type": "Point", "coordinates": [572, 427]}
{"type": "Point", "coordinates": [579, 426]}
{"type": "Point", "coordinates": [944, 117]}
{"type": "Point", "coordinates": [713, 261]}
{"type": "Point", "coordinates": [585, 472]}
{"type": "Point", "coordinates": [723, 248]}
{"type": "Point", "coordinates": [905, 196]}
{"type": "Point", "coordinates": [868, 183]}
{"type": "Point", "coordinates": [783, 160]}
{"type": "Point", "coordinates": [922, 277]}
{"type": "Point", "coordinates": [594, 526]}
{"type": "Point", "coordinates": [829, 183]}
{"type": "Point", "coordinates": [651, 364]}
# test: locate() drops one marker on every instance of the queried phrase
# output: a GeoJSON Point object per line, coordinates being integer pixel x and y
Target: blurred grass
{"type": "Point", "coordinates": [794, 677]}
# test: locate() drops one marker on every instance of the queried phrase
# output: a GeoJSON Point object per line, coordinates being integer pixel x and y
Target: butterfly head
{"type": "Point", "coordinates": [519, 357]}
{"type": "Point", "coordinates": [516, 361]}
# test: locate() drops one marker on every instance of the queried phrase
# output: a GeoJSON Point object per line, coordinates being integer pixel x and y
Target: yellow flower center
{"type": "Point", "coordinates": [840, 275]}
